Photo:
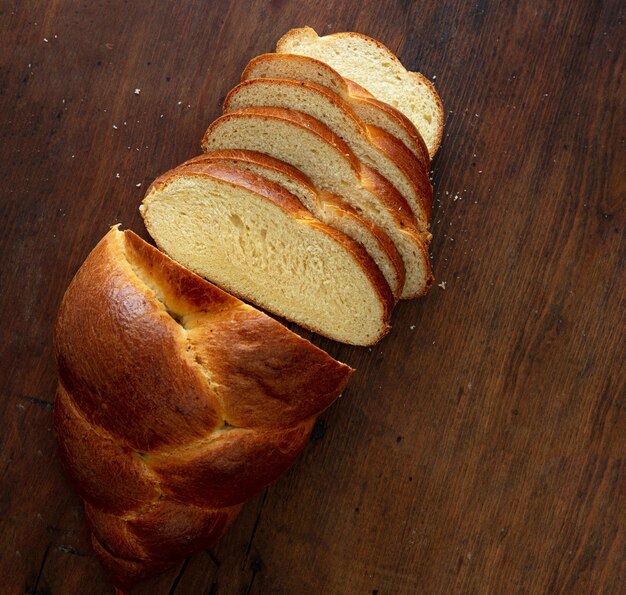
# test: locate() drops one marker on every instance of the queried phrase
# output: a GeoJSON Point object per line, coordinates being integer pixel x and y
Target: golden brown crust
{"type": "Point", "coordinates": [232, 467]}
{"type": "Point", "coordinates": [382, 187]}
{"type": "Point", "coordinates": [86, 332]}
{"type": "Point", "coordinates": [329, 200]}
{"type": "Point", "coordinates": [346, 210]}
{"type": "Point", "coordinates": [163, 377]}
{"type": "Point", "coordinates": [129, 486]}
{"type": "Point", "coordinates": [238, 177]}
{"type": "Point", "coordinates": [355, 89]}
{"type": "Point", "coordinates": [336, 82]}
{"type": "Point", "coordinates": [408, 163]}
{"type": "Point", "coordinates": [405, 217]}
{"type": "Point", "coordinates": [132, 550]}
{"type": "Point", "coordinates": [379, 184]}
{"type": "Point", "coordinates": [418, 146]}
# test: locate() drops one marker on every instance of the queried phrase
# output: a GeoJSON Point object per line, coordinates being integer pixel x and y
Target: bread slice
{"type": "Point", "coordinates": [373, 146]}
{"type": "Point", "coordinates": [370, 64]}
{"type": "Point", "coordinates": [369, 109]}
{"type": "Point", "coordinates": [256, 240]}
{"type": "Point", "coordinates": [308, 145]}
{"type": "Point", "coordinates": [327, 208]}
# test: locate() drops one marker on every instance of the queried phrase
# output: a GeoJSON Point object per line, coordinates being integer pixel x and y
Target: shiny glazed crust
{"type": "Point", "coordinates": [176, 402]}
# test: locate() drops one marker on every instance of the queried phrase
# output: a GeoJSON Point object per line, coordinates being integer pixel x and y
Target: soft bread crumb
{"type": "Point", "coordinates": [254, 249]}
{"type": "Point", "coordinates": [318, 204]}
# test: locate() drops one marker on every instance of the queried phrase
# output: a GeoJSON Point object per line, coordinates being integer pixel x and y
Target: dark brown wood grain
{"type": "Point", "coordinates": [481, 446]}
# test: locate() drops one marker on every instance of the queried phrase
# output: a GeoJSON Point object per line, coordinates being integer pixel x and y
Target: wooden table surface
{"type": "Point", "coordinates": [481, 446]}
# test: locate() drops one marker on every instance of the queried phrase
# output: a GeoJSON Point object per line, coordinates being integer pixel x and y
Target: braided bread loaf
{"type": "Point", "coordinates": [176, 402]}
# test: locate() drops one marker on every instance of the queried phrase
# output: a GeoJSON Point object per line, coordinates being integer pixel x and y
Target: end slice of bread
{"type": "Point", "coordinates": [373, 66]}
{"type": "Point", "coordinates": [326, 207]}
{"type": "Point", "coordinates": [306, 144]}
{"type": "Point", "coordinates": [256, 240]}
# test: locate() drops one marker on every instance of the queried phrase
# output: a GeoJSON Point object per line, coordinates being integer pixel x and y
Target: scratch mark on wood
{"type": "Point", "coordinates": [251, 582]}
{"type": "Point", "coordinates": [214, 558]}
{"type": "Point", "coordinates": [400, 44]}
{"type": "Point", "coordinates": [319, 430]}
{"type": "Point", "coordinates": [70, 550]}
{"type": "Point", "coordinates": [256, 523]}
{"type": "Point", "coordinates": [257, 566]}
{"type": "Point", "coordinates": [43, 563]}
{"type": "Point", "coordinates": [178, 577]}
{"type": "Point", "coordinates": [39, 402]}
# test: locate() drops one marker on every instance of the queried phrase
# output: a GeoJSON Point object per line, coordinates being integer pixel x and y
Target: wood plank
{"type": "Point", "coordinates": [480, 446]}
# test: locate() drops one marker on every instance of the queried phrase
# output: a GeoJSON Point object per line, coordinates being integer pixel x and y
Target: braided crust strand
{"type": "Point", "coordinates": [176, 402]}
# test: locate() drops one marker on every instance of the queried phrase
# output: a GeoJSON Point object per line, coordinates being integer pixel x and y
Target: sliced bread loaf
{"type": "Point", "coordinates": [308, 145]}
{"type": "Point", "coordinates": [370, 64]}
{"type": "Point", "coordinates": [327, 208]}
{"type": "Point", "coordinates": [255, 239]}
{"type": "Point", "coordinates": [370, 110]}
{"type": "Point", "coordinates": [372, 145]}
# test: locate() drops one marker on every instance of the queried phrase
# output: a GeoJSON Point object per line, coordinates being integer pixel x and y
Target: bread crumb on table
{"type": "Point", "coordinates": [442, 284]}
{"type": "Point", "coordinates": [137, 91]}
